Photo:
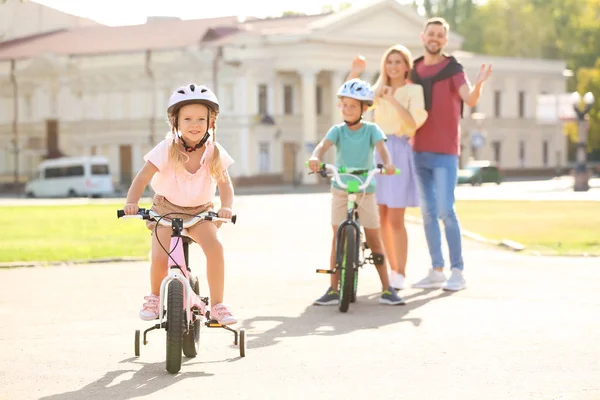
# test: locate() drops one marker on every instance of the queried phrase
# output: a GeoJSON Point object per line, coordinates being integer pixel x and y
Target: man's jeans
{"type": "Point", "coordinates": [437, 175]}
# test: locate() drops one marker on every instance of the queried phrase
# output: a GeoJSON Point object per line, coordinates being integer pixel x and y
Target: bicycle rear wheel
{"type": "Point", "coordinates": [348, 273]}
{"type": "Point", "coordinates": [175, 326]}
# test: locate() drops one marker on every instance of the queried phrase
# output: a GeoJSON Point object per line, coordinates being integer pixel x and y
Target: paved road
{"type": "Point", "coordinates": [527, 327]}
{"type": "Point", "coordinates": [531, 189]}
{"type": "Point", "coordinates": [545, 189]}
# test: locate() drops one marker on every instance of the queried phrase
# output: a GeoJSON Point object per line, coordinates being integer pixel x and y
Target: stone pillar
{"type": "Point", "coordinates": [337, 80]}
{"type": "Point", "coordinates": [309, 123]}
{"type": "Point", "coordinates": [241, 109]}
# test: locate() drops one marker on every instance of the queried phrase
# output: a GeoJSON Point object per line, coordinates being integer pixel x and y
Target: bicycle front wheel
{"type": "Point", "coordinates": [175, 326]}
{"type": "Point", "coordinates": [191, 337]}
{"type": "Point", "coordinates": [347, 278]}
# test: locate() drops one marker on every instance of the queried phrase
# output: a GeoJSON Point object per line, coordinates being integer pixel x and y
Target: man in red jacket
{"type": "Point", "coordinates": [436, 147]}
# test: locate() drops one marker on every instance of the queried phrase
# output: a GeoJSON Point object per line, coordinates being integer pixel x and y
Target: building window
{"type": "Point", "coordinates": [319, 94]}
{"type": "Point", "coordinates": [262, 99]}
{"type": "Point", "coordinates": [545, 153]}
{"type": "Point", "coordinates": [264, 157]}
{"type": "Point", "coordinates": [521, 104]}
{"type": "Point", "coordinates": [497, 146]}
{"type": "Point", "coordinates": [288, 99]}
{"type": "Point", "coordinates": [497, 103]}
{"type": "Point", "coordinates": [522, 152]}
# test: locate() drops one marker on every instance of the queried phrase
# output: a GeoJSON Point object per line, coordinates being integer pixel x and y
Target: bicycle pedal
{"type": "Point", "coordinates": [324, 271]}
{"type": "Point", "coordinates": [213, 324]}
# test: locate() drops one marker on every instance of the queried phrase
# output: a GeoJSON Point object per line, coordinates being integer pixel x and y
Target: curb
{"type": "Point", "coordinates": [29, 264]}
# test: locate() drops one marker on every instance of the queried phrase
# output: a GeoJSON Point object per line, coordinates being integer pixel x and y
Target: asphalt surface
{"type": "Point", "coordinates": [527, 327]}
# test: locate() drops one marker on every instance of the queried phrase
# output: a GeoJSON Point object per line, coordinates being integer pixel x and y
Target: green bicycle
{"type": "Point", "coordinates": [350, 253]}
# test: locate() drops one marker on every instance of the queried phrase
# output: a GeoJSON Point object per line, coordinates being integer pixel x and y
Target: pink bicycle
{"type": "Point", "coordinates": [186, 310]}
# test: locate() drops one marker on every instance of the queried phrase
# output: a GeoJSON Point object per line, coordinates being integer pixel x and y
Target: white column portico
{"type": "Point", "coordinates": [309, 122]}
{"type": "Point", "coordinates": [337, 80]}
{"type": "Point", "coordinates": [242, 110]}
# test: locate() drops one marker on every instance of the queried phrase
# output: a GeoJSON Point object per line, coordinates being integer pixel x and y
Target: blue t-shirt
{"type": "Point", "coordinates": [354, 149]}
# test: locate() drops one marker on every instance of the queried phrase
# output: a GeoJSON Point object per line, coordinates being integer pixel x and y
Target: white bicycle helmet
{"type": "Point", "coordinates": [357, 89]}
{"type": "Point", "coordinates": [193, 94]}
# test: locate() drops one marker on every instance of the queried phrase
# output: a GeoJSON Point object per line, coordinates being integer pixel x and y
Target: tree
{"type": "Point", "coordinates": [588, 80]}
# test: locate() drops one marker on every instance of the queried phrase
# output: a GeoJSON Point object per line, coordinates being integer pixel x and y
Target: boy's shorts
{"type": "Point", "coordinates": [368, 212]}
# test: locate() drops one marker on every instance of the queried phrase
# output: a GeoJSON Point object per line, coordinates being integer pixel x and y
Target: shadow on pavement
{"type": "Point", "coordinates": [365, 313]}
{"type": "Point", "coordinates": [149, 379]}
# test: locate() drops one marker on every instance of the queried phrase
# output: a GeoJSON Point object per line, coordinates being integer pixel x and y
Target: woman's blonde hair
{"type": "Point", "coordinates": [176, 151]}
{"type": "Point", "coordinates": [384, 79]}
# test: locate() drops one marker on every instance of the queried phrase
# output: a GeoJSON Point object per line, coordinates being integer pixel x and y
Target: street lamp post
{"type": "Point", "coordinates": [581, 183]}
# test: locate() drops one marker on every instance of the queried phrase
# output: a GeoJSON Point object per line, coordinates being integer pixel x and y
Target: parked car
{"type": "Point", "coordinates": [70, 177]}
{"type": "Point", "coordinates": [478, 172]}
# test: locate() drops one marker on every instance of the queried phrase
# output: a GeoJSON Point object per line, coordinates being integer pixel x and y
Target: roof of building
{"type": "Point", "coordinates": [156, 34]}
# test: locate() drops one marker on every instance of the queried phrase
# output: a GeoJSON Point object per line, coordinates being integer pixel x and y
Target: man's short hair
{"type": "Point", "coordinates": [437, 21]}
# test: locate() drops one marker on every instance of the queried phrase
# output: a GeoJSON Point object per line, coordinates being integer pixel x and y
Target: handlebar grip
{"type": "Point", "coordinates": [322, 164]}
{"type": "Point", "coordinates": [141, 211]}
{"type": "Point", "coordinates": [233, 218]}
{"type": "Point", "coordinates": [397, 171]}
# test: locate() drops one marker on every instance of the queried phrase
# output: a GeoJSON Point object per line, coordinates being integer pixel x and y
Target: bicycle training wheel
{"type": "Point", "coordinates": [348, 243]}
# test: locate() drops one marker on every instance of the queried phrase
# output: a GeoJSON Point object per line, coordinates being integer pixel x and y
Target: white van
{"type": "Point", "coordinates": [71, 176]}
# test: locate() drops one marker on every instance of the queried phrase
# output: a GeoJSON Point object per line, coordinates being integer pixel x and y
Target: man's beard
{"type": "Point", "coordinates": [435, 52]}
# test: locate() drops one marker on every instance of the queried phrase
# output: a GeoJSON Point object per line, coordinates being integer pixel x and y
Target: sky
{"type": "Point", "coordinates": [132, 12]}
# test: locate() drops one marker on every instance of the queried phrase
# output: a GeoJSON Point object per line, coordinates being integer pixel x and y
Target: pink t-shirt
{"type": "Point", "coordinates": [178, 185]}
{"type": "Point", "coordinates": [441, 131]}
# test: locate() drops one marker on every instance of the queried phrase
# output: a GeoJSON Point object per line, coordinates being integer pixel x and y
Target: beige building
{"type": "Point", "coordinates": [103, 90]}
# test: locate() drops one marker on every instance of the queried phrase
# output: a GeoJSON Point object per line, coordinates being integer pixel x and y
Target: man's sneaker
{"type": "Point", "coordinates": [456, 281]}
{"type": "Point", "coordinates": [390, 297]}
{"type": "Point", "coordinates": [149, 311]}
{"type": "Point", "coordinates": [330, 298]}
{"type": "Point", "coordinates": [396, 280]}
{"type": "Point", "coordinates": [433, 280]}
{"type": "Point", "coordinates": [221, 313]}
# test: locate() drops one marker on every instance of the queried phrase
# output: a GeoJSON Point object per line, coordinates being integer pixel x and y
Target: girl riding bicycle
{"type": "Point", "coordinates": [355, 141]}
{"type": "Point", "coordinates": [185, 169]}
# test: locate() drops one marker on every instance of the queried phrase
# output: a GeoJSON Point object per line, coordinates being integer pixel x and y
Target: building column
{"type": "Point", "coordinates": [337, 80]}
{"type": "Point", "coordinates": [241, 109]}
{"type": "Point", "coordinates": [137, 158]}
{"type": "Point", "coordinates": [114, 160]}
{"type": "Point", "coordinates": [309, 124]}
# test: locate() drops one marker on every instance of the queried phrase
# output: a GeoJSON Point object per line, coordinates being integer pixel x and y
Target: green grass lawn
{"type": "Point", "coordinates": [561, 227]}
{"type": "Point", "coordinates": [92, 231]}
{"type": "Point", "coordinates": [70, 233]}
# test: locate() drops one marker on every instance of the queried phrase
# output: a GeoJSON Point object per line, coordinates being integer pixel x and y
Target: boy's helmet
{"type": "Point", "coordinates": [357, 89]}
{"type": "Point", "coordinates": [193, 94]}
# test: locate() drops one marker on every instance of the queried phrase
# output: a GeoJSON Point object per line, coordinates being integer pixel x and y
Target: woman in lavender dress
{"type": "Point", "coordinates": [399, 111]}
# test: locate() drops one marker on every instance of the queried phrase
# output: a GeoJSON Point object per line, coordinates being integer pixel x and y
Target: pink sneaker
{"type": "Point", "coordinates": [221, 313]}
{"type": "Point", "coordinates": [149, 311]}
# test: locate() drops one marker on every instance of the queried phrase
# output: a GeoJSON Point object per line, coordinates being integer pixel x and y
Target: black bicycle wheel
{"type": "Point", "coordinates": [348, 243]}
{"type": "Point", "coordinates": [175, 326]}
{"type": "Point", "coordinates": [191, 336]}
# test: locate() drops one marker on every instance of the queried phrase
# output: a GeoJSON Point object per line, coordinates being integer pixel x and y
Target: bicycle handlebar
{"type": "Point", "coordinates": [151, 215]}
{"type": "Point", "coordinates": [337, 172]}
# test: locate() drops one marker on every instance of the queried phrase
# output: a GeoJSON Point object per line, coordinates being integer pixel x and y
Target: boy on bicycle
{"type": "Point", "coordinates": [355, 141]}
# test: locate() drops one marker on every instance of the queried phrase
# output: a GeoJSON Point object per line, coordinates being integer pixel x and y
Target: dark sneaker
{"type": "Point", "coordinates": [330, 298]}
{"type": "Point", "coordinates": [391, 298]}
